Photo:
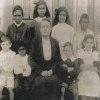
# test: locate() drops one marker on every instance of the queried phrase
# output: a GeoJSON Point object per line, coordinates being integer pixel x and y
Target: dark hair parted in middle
{"type": "Point", "coordinates": [56, 19]}
{"type": "Point", "coordinates": [35, 13]}
{"type": "Point", "coordinates": [89, 36]}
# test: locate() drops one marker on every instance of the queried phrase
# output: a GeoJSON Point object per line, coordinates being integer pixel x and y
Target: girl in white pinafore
{"type": "Point", "coordinates": [89, 81]}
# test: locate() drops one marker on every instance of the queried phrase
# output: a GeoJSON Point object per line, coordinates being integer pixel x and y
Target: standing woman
{"type": "Point", "coordinates": [40, 11]}
{"type": "Point", "coordinates": [62, 31]}
{"type": "Point", "coordinates": [45, 58]}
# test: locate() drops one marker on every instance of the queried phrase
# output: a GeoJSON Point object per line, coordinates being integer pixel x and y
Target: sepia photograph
{"type": "Point", "coordinates": [49, 49]}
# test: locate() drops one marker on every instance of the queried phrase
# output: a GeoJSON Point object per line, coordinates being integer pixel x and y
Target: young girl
{"type": "Point", "coordinates": [88, 52]}
{"type": "Point", "coordinates": [89, 81]}
{"type": "Point", "coordinates": [62, 31]}
{"type": "Point", "coordinates": [40, 12]}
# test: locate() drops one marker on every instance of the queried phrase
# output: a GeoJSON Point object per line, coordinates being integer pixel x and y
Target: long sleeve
{"type": "Point", "coordinates": [26, 38]}
{"type": "Point", "coordinates": [36, 69]}
{"type": "Point", "coordinates": [57, 59]}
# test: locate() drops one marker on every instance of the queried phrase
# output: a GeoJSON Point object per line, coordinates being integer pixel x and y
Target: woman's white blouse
{"type": "Point", "coordinates": [63, 33]}
{"type": "Point", "coordinates": [89, 81]}
{"type": "Point", "coordinates": [46, 48]}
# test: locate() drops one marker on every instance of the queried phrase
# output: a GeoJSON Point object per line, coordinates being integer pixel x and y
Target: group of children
{"type": "Point", "coordinates": [80, 61]}
{"type": "Point", "coordinates": [12, 66]}
{"type": "Point", "coordinates": [85, 67]}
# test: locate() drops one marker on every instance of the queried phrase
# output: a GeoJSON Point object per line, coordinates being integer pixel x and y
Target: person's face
{"type": "Point", "coordinates": [17, 16]}
{"type": "Point", "coordinates": [22, 51]}
{"type": "Point", "coordinates": [62, 16]}
{"type": "Point", "coordinates": [67, 51]}
{"type": "Point", "coordinates": [5, 46]}
{"type": "Point", "coordinates": [45, 28]}
{"type": "Point", "coordinates": [84, 24]}
{"type": "Point", "coordinates": [89, 44]}
{"type": "Point", "coordinates": [41, 10]}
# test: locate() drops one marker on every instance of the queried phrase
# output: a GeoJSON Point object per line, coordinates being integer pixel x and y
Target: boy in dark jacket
{"type": "Point", "coordinates": [18, 31]}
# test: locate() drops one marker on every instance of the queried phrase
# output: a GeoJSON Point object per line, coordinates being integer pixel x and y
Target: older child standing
{"type": "Point", "coordinates": [41, 11]}
{"type": "Point", "coordinates": [18, 30]}
{"type": "Point", "coordinates": [62, 31]}
{"type": "Point", "coordinates": [88, 53]}
{"type": "Point", "coordinates": [89, 81]}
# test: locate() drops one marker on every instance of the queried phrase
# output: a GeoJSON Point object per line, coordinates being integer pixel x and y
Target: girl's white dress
{"type": "Point", "coordinates": [89, 81]}
{"type": "Point", "coordinates": [88, 56]}
{"type": "Point", "coordinates": [89, 84]}
{"type": "Point", "coordinates": [63, 33]}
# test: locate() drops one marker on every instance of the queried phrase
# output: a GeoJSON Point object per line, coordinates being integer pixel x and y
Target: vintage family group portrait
{"type": "Point", "coordinates": [49, 50]}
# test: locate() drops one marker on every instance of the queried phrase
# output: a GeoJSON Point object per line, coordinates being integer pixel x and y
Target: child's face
{"type": "Point", "coordinates": [17, 16]}
{"type": "Point", "coordinates": [62, 16]}
{"type": "Point", "coordinates": [89, 44]}
{"type": "Point", "coordinates": [45, 28]}
{"type": "Point", "coordinates": [22, 51]}
{"type": "Point", "coordinates": [41, 10]}
{"type": "Point", "coordinates": [84, 23]}
{"type": "Point", "coordinates": [5, 46]}
{"type": "Point", "coordinates": [67, 51]}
